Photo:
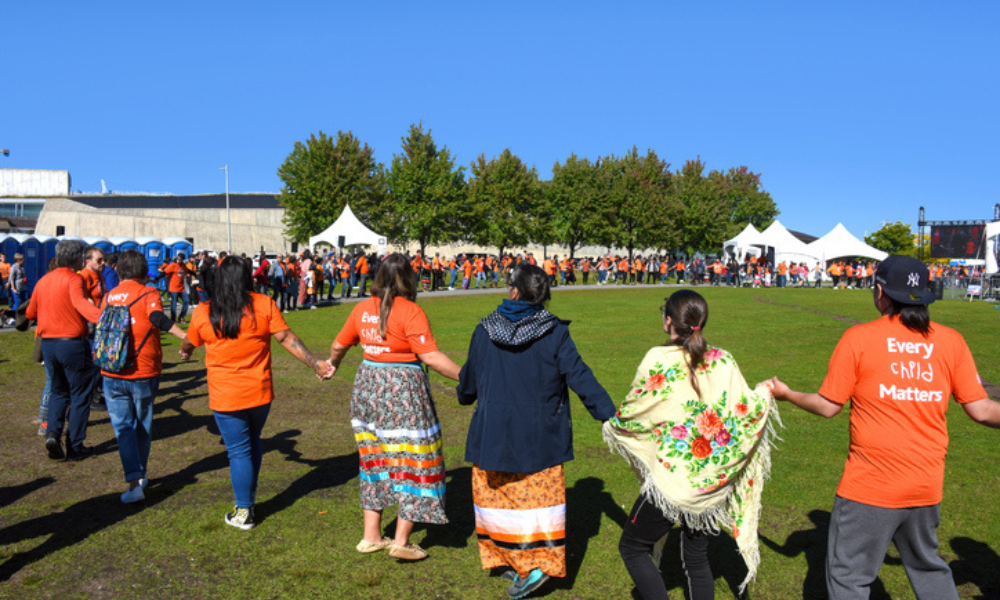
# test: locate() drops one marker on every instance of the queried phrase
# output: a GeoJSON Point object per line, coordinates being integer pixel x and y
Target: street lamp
{"type": "Point", "coordinates": [229, 222]}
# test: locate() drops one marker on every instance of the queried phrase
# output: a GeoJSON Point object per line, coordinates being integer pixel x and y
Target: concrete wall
{"type": "Point", "coordinates": [251, 229]}
{"type": "Point", "coordinates": [34, 182]}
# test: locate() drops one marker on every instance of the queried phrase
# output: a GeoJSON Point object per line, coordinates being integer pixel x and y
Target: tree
{"type": "Point", "coordinates": [501, 202]}
{"type": "Point", "coordinates": [706, 217]}
{"type": "Point", "coordinates": [894, 238]}
{"type": "Point", "coordinates": [638, 209]}
{"type": "Point", "coordinates": [324, 174]}
{"type": "Point", "coordinates": [573, 197]}
{"type": "Point", "coordinates": [744, 199]}
{"type": "Point", "coordinates": [426, 191]}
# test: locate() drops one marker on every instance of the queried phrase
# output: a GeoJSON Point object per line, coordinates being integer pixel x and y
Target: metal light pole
{"type": "Point", "coordinates": [229, 222]}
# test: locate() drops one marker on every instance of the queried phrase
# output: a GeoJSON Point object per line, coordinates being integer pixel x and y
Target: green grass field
{"type": "Point", "coordinates": [64, 534]}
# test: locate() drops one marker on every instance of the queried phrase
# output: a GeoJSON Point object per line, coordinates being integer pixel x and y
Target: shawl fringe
{"type": "Point", "coordinates": [714, 519]}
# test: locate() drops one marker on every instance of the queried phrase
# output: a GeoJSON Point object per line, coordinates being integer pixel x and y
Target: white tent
{"type": "Point", "coordinates": [744, 242]}
{"type": "Point", "coordinates": [353, 230]}
{"type": "Point", "coordinates": [992, 230]}
{"type": "Point", "coordinates": [787, 247]}
{"type": "Point", "coordinates": [839, 243]}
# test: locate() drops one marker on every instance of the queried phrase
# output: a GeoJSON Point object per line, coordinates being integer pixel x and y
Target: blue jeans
{"type": "Point", "coordinates": [17, 298]}
{"type": "Point", "coordinates": [173, 304]}
{"type": "Point", "coordinates": [130, 406]}
{"type": "Point", "coordinates": [70, 368]}
{"type": "Point", "coordinates": [480, 279]}
{"type": "Point", "coordinates": [241, 433]}
{"type": "Point", "coordinates": [43, 407]}
{"type": "Point", "coordinates": [454, 277]}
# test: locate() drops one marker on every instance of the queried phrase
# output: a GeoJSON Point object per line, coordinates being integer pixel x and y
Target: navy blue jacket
{"type": "Point", "coordinates": [522, 421]}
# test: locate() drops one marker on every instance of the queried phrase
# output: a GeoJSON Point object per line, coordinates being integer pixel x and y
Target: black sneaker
{"type": "Point", "coordinates": [54, 448]}
{"type": "Point", "coordinates": [525, 585]}
{"type": "Point", "coordinates": [83, 453]}
{"type": "Point", "coordinates": [241, 518]}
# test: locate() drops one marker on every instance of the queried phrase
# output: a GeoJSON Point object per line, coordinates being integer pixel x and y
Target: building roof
{"type": "Point", "coordinates": [203, 201]}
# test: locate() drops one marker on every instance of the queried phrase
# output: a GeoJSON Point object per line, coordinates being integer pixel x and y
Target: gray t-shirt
{"type": "Point", "coordinates": [17, 280]}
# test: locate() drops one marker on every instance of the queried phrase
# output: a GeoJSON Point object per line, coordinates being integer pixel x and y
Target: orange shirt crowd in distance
{"type": "Point", "coordinates": [408, 332]}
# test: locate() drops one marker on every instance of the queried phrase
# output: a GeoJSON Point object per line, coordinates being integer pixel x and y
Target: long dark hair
{"type": "Point", "coordinates": [394, 278]}
{"type": "Point", "coordinates": [688, 314]}
{"type": "Point", "coordinates": [916, 318]}
{"type": "Point", "coordinates": [231, 297]}
{"type": "Point", "coordinates": [531, 283]}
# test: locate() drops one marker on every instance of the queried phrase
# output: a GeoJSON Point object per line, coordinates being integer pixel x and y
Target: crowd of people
{"type": "Point", "coordinates": [695, 433]}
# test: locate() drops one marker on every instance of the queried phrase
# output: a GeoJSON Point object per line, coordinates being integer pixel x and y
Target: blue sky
{"type": "Point", "coordinates": [853, 112]}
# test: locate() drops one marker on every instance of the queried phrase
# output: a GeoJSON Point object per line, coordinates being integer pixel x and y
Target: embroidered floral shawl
{"type": "Point", "coordinates": [702, 460]}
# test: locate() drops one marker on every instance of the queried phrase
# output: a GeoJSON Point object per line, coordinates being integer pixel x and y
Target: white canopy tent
{"type": "Point", "coordinates": [746, 241]}
{"type": "Point", "coordinates": [840, 243]}
{"type": "Point", "coordinates": [787, 247]}
{"type": "Point", "coordinates": [354, 231]}
{"type": "Point", "coordinates": [992, 230]}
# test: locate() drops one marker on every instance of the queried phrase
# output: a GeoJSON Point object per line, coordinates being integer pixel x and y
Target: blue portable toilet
{"type": "Point", "coordinates": [48, 250]}
{"type": "Point", "coordinates": [101, 242]}
{"type": "Point", "coordinates": [36, 257]}
{"type": "Point", "coordinates": [154, 251]}
{"type": "Point", "coordinates": [122, 243]}
{"type": "Point", "coordinates": [10, 244]}
{"type": "Point", "coordinates": [176, 245]}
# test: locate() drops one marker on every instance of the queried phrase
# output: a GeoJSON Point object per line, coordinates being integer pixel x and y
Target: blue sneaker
{"type": "Point", "coordinates": [525, 585]}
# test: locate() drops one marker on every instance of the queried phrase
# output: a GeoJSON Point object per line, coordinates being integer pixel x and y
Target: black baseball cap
{"type": "Point", "coordinates": [904, 279]}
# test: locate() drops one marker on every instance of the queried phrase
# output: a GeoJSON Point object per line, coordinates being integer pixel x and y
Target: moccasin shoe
{"type": "Point", "coordinates": [408, 552]}
{"type": "Point", "coordinates": [366, 547]}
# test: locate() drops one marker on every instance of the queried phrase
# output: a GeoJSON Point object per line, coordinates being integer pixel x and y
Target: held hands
{"type": "Point", "coordinates": [324, 370]}
{"type": "Point", "coordinates": [778, 388]}
{"type": "Point", "coordinates": [184, 355]}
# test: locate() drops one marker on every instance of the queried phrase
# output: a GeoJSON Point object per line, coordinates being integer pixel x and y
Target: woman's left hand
{"type": "Point", "coordinates": [324, 370]}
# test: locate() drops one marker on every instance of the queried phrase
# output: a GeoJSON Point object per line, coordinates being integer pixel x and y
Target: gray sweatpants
{"type": "Point", "coordinates": [859, 537]}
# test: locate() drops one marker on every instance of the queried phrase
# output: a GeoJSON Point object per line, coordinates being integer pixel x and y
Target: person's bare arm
{"type": "Point", "coordinates": [985, 412]}
{"type": "Point", "coordinates": [337, 353]}
{"type": "Point", "coordinates": [440, 362]}
{"type": "Point", "coordinates": [814, 403]}
{"type": "Point", "coordinates": [291, 342]}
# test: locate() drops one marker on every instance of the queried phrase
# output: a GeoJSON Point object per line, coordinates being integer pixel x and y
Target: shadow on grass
{"type": "Point", "coordinates": [326, 473]}
{"type": "Point", "coordinates": [812, 544]}
{"type": "Point", "coordinates": [461, 514]}
{"type": "Point", "coordinates": [83, 519]}
{"type": "Point", "coordinates": [977, 564]}
{"type": "Point", "coordinates": [12, 493]}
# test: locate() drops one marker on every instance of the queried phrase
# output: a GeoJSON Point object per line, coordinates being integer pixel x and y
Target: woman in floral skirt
{"type": "Point", "coordinates": [700, 439]}
{"type": "Point", "coordinates": [392, 412]}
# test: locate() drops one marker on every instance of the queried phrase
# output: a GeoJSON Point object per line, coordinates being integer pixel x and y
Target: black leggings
{"type": "Point", "coordinates": [645, 526]}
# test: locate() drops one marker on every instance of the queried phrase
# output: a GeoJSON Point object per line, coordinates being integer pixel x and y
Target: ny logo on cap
{"type": "Point", "coordinates": [914, 280]}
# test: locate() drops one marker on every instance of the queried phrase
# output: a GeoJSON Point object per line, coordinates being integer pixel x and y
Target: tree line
{"type": "Point", "coordinates": [629, 201]}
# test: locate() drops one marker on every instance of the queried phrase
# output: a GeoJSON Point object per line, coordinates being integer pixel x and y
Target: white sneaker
{"type": "Point", "coordinates": [133, 495]}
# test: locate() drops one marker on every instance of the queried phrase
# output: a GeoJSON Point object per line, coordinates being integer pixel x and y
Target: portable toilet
{"type": "Point", "coordinates": [101, 242]}
{"type": "Point", "coordinates": [176, 245]}
{"type": "Point", "coordinates": [36, 258]}
{"type": "Point", "coordinates": [48, 250]}
{"type": "Point", "coordinates": [11, 244]}
{"type": "Point", "coordinates": [154, 251]}
{"type": "Point", "coordinates": [122, 243]}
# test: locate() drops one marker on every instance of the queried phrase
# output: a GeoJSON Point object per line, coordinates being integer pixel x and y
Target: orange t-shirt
{"type": "Point", "coordinates": [94, 285]}
{"type": "Point", "coordinates": [175, 272]}
{"type": "Point", "coordinates": [899, 383]}
{"type": "Point", "coordinates": [239, 370]}
{"type": "Point", "coordinates": [480, 265]}
{"type": "Point", "coordinates": [149, 362]}
{"type": "Point", "coordinates": [362, 265]}
{"type": "Point", "coordinates": [407, 334]}
{"type": "Point", "coordinates": [59, 303]}
{"type": "Point", "coordinates": [467, 269]}
{"type": "Point", "coordinates": [549, 268]}
{"type": "Point", "coordinates": [4, 270]}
